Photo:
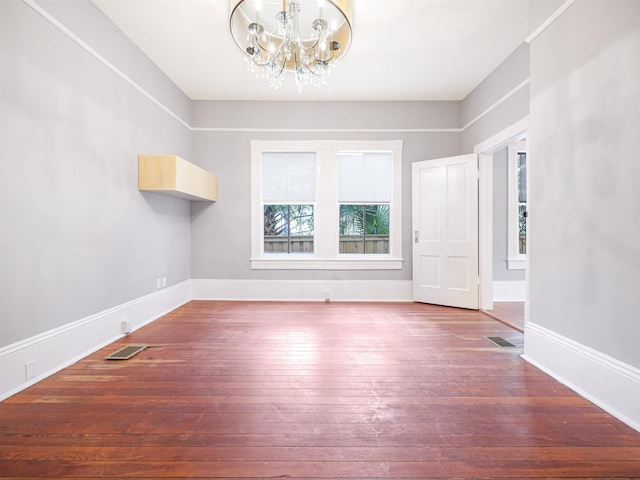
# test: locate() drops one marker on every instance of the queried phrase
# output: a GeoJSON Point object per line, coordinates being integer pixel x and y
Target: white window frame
{"type": "Point", "coordinates": [515, 259]}
{"type": "Point", "coordinates": [326, 254]}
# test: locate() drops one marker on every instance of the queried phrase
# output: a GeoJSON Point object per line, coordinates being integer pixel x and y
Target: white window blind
{"type": "Point", "coordinates": [288, 177]}
{"type": "Point", "coordinates": [364, 177]}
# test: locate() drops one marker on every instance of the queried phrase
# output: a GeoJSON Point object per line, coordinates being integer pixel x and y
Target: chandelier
{"type": "Point", "coordinates": [306, 37]}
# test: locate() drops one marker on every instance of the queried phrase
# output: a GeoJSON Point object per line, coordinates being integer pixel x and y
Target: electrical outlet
{"type": "Point", "coordinates": [125, 326]}
{"type": "Point", "coordinates": [158, 283]}
{"type": "Point", "coordinates": [164, 282]}
{"type": "Point", "coordinates": [29, 370]}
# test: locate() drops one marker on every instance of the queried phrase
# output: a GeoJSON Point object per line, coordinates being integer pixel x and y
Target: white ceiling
{"type": "Point", "coordinates": [401, 50]}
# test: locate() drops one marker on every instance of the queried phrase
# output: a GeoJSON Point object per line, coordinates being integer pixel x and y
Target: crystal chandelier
{"type": "Point", "coordinates": [306, 37]}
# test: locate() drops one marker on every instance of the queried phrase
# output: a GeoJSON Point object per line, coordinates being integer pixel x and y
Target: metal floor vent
{"type": "Point", "coordinates": [500, 342]}
{"type": "Point", "coordinates": [125, 353]}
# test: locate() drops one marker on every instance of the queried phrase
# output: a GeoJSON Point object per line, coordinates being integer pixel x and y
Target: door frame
{"type": "Point", "coordinates": [485, 151]}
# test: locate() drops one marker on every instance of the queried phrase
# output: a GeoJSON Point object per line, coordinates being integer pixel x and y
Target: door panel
{"type": "Point", "coordinates": [445, 225]}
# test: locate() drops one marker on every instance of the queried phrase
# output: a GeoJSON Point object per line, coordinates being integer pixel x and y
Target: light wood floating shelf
{"type": "Point", "coordinates": [172, 175]}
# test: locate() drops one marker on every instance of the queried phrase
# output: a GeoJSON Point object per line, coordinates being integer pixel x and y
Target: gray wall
{"type": "Point", "coordinates": [584, 172]}
{"type": "Point", "coordinates": [506, 78]}
{"type": "Point", "coordinates": [500, 219]}
{"type": "Point", "coordinates": [511, 73]}
{"type": "Point", "coordinates": [221, 236]}
{"type": "Point", "coordinates": [77, 236]}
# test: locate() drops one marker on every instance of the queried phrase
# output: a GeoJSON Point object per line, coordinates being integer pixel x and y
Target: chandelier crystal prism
{"type": "Point", "coordinates": [305, 37]}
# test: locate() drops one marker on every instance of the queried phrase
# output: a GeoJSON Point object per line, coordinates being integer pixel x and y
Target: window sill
{"type": "Point", "coordinates": [516, 264]}
{"type": "Point", "coordinates": [327, 264]}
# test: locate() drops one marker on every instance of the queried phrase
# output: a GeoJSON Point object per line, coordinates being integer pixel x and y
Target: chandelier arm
{"type": "Point", "coordinates": [308, 49]}
{"type": "Point", "coordinates": [281, 65]}
{"type": "Point", "coordinates": [299, 35]}
{"type": "Point", "coordinates": [328, 62]}
{"type": "Point", "coordinates": [266, 49]}
{"type": "Point", "coordinates": [260, 45]}
{"type": "Point", "coordinates": [312, 47]}
{"type": "Point", "coordinates": [276, 54]}
{"type": "Point", "coordinates": [312, 71]}
{"type": "Point", "coordinates": [258, 64]}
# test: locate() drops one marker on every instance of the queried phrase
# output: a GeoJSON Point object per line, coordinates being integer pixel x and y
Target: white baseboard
{"type": "Point", "coordinates": [26, 362]}
{"type": "Point", "coordinates": [509, 291]}
{"type": "Point", "coordinates": [612, 385]}
{"type": "Point", "coordinates": [303, 290]}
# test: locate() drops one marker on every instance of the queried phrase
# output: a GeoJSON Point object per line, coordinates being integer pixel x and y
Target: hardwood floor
{"type": "Point", "coordinates": [509, 313]}
{"type": "Point", "coordinates": [312, 390]}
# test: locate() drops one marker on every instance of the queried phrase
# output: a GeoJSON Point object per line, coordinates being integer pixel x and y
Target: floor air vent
{"type": "Point", "coordinates": [500, 342]}
{"type": "Point", "coordinates": [126, 353]}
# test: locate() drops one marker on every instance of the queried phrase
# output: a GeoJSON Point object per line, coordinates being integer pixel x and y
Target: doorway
{"type": "Point", "coordinates": [503, 275]}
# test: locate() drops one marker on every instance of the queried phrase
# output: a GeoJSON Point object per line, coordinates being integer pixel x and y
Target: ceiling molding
{"type": "Point", "coordinates": [327, 130]}
{"type": "Point", "coordinates": [544, 25]}
{"type": "Point", "coordinates": [500, 101]}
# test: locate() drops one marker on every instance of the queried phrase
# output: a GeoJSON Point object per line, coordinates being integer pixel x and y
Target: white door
{"type": "Point", "coordinates": [445, 231]}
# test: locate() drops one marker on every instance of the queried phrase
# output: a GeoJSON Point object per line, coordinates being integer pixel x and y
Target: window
{"type": "Point", "coordinates": [517, 208]}
{"type": "Point", "coordinates": [364, 229]}
{"type": "Point", "coordinates": [288, 193]}
{"type": "Point", "coordinates": [364, 196]}
{"type": "Point", "coordinates": [288, 228]}
{"type": "Point", "coordinates": [326, 205]}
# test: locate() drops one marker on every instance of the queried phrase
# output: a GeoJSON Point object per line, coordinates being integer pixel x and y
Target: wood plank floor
{"type": "Point", "coordinates": [509, 313]}
{"type": "Point", "coordinates": [312, 391]}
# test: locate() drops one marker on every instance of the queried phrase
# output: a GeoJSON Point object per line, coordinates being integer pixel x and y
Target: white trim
{"type": "Point", "coordinates": [56, 349]}
{"type": "Point", "coordinates": [488, 110]}
{"type": "Point", "coordinates": [485, 235]}
{"type": "Point", "coordinates": [516, 263]}
{"type": "Point", "coordinates": [326, 255]}
{"type": "Point", "coordinates": [609, 383]}
{"type": "Point", "coordinates": [509, 290]}
{"type": "Point", "coordinates": [56, 23]}
{"type": "Point", "coordinates": [326, 130]}
{"type": "Point", "coordinates": [485, 150]}
{"type": "Point", "coordinates": [502, 139]}
{"type": "Point", "coordinates": [544, 25]}
{"type": "Point", "coordinates": [515, 259]}
{"type": "Point", "coordinates": [353, 145]}
{"type": "Point", "coordinates": [364, 262]}
{"type": "Point", "coordinates": [303, 290]}
{"type": "Point", "coordinates": [500, 101]}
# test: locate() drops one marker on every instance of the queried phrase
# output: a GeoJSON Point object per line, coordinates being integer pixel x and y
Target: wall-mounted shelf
{"type": "Point", "coordinates": [172, 175]}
